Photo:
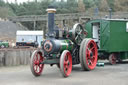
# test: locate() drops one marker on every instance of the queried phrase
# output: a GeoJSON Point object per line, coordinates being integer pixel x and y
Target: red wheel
{"type": "Point", "coordinates": [88, 54]}
{"type": "Point", "coordinates": [66, 63]}
{"type": "Point", "coordinates": [35, 65]}
{"type": "Point", "coordinates": [112, 59]}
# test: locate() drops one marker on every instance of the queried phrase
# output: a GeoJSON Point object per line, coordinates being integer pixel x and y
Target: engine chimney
{"type": "Point", "coordinates": [51, 12]}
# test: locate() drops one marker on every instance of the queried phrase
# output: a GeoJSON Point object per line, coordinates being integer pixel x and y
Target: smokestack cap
{"type": "Point", "coordinates": [51, 9]}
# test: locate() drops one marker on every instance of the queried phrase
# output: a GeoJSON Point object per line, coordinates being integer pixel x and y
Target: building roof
{"type": "Point", "coordinates": [117, 19]}
{"type": "Point", "coordinates": [29, 33]}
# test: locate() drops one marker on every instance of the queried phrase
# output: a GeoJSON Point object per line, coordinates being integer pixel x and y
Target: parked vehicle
{"type": "Point", "coordinates": [111, 37]}
{"type": "Point", "coordinates": [29, 38]}
{"type": "Point", "coordinates": [4, 44]}
{"type": "Point", "coordinates": [64, 49]}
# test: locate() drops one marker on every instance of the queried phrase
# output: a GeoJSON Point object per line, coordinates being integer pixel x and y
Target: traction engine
{"type": "Point", "coordinates": [64, 49]}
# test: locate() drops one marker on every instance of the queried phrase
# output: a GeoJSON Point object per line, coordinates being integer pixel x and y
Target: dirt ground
{"type": "Point", "coordinates": [104, 75]}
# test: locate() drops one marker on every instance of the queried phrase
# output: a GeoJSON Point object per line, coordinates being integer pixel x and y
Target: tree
{"type": "Point", "coordinates": [2, 3]}
{"type": "Point", "coordinates": [104, 5]}
{"type": "Point", "coordinates": [81, 6]}
{"type": "Point", "coordinates": [117, 5]}
{"type": "Point", "coordinates": [111, 4]}
{"type": "Point", "coordinates": [3, 12]}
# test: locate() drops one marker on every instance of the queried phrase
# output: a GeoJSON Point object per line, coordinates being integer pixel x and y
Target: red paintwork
{"type": "Point", "coordinates": [37, 59]}
{"type": "Point", "coordinates": [91, 54]}
{"type": "Point", "coordinates": [67, 63]}
{"type": "Point", "coordinates": [113, 59]}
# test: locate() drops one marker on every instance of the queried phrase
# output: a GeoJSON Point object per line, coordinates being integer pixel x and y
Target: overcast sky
{"type": "Point", "coordinates": [19, 1]}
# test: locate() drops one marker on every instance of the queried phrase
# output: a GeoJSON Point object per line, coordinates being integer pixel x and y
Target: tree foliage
{"type": "Point", "coordinates": [70, 6]}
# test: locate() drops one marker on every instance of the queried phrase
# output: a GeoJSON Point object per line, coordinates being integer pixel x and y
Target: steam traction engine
{"type": "Point", "coordinates": [64, 48]}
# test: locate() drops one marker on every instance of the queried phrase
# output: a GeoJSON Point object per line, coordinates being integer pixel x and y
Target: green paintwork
{"type": "Point", "coordinates": [113, 36]}
{"type": "Point", "coordinates": [118, 36]}
{"type": "Point", "coordinates": [124, 55]}
{"type": "Point", "coordinates": [66, 45]}
{"type": "Point", "coordinates": [5, 44]}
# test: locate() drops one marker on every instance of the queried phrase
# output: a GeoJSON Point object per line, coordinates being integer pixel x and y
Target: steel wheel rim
{"type": "Point", "coordinates": [91, 54]}
{"type": "Point", "coordinates": [37, 59]}
{"type": "Point", "coordinates": [67, 64]}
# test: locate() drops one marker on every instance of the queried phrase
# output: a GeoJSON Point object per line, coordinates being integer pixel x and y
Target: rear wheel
{"type": "Point", "coordinates": [88, 54]}
{"type": "Point", "coordinates": [112, 59]}
{"type": "Point", "coordinates": [66, 63]}
{"type": "Point", "coordinates": [35, 64]}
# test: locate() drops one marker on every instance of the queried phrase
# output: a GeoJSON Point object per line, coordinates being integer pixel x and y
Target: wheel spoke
{"type": "Point", "coordinates": [88, 57]}
{"type": "Point", "coordinates": [92, 48]}
{"type": "Point", "coordinates": [67, 58]}
{"type": "Point", "coordinates": [81, 37]}
{"type": "Point", "coordinates": [68, 66]}
{"type": "Point", "coordinates": [76, 37]}
{"type": "Point", "coordinates": [90, 62]}
{"type": "Point", "coordinates": [65, 63]}
{"type": "Point", "coordinates": [65, 68]}
{"type": "Point", "coordinates": [34, 59]}
{"type": "Point", "coordinates": [37, 58]}
{"type": "Point", "coordinates": [80, 32]}
{"type": "Point", "coordinates": [93, 58]}
{"type": "Point", "coordinates": [88, 53]}
{"type": "Point", "coordinates": [40, 67]}
{"type": "Point", "coordinates": [35, 62]}
{"type": "Point", "coordinates": [88, 50]}
{"type": "Point", "coordinates": [36, 67]}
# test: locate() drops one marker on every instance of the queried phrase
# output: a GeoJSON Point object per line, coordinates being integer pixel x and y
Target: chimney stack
{"type": "Point", "coordinates": [51, 12]}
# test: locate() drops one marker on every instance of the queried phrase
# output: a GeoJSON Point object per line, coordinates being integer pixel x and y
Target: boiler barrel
{"type": "Point", "coordinates": [66, 45]}
{"type": "Point", "coordinates": [55, 46]}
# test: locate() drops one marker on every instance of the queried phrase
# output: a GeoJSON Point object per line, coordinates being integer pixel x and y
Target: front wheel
{"type": "Point", "coordinates": [88, 54]}
{"type": "Point", "coordinates": [35, 64]}
{"type": "Point", "coordinates": [66, 63]}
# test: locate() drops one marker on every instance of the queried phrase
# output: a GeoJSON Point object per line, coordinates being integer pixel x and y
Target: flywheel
{"type": "Point", "coordinates": [78, 33]}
